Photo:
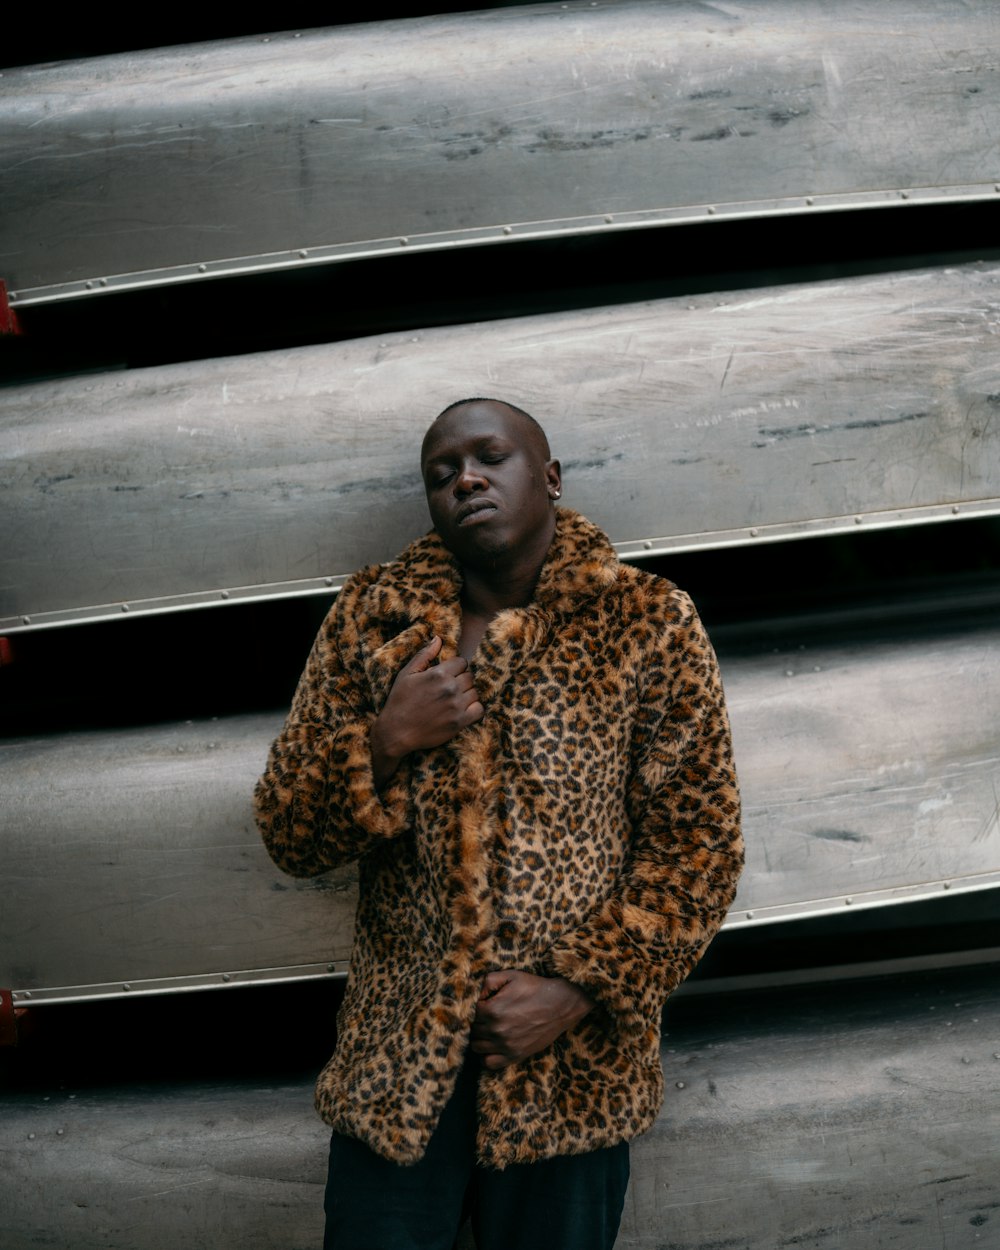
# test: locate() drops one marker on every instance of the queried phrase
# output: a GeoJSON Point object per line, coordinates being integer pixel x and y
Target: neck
{"type": "Point", "coordinates": [507, 580]}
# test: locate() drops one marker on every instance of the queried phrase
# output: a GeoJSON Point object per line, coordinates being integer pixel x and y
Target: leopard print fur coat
{"type": "Point", "coordinates": [586, 827]}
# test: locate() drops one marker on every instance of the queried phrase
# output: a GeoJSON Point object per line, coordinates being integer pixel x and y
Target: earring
{"type": "Point", "coordinates": [556, 494]}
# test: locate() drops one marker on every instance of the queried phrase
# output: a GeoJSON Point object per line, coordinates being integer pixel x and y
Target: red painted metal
{"type": "Point", "coordinates": [9, 323]}
{"type": "Point", "coordinates": [9, 1019]}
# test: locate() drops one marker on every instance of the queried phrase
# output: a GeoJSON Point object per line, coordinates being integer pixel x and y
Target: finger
{"type": "Point", "coordinates": [462, 684]}
{"type": "Point", "coordinates": [425, 657]}
{"type": "Point", "coordinates": [454, 665]}
{"type": "Point", "coordinates": [475, 711]}
{"type": "Point", "coordinates": [495, 980]}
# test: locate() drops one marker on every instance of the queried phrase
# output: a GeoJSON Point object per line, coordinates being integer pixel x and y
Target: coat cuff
{"type": "Point", "coordinates": [381, 815]}
{"type": "Point", "coordinates": [597, 960]}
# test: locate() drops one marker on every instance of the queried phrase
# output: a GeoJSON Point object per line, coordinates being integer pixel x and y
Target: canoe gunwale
{"type": "Point", "coordinates": [53, 995]}
{"type": "Point", "coordinates": [336, 970]}
{"type": "Point", "coordinates": [307, 254]}
{"type": "Point", "coordinates": [860, 901]}
{"type": "Point", "coordinates": [629, 550]}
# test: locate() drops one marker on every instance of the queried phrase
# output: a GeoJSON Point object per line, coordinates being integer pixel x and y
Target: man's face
{"type": "Point", "coordinates": [488, 482]}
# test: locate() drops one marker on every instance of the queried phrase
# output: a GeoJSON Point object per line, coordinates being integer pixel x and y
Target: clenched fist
{"type": "Point", "coordinates": [428, 704]}
{"type": "Point", "coordinates": [519, 1014]}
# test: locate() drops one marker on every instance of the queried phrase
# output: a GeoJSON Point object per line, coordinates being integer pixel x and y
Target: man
{"type": "Point", "coordinates": [525, 745]}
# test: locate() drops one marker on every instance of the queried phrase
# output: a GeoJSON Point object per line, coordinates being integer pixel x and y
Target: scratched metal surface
{"type": "Point", "coordinates": [870, 772]}
{"type": "Point", "coordinates": [136, 857]}
{"type": "Point", "coordinates": [540, 120]}
{"type": "Point", "coordinates": [860, 1119]}
{"type": "Point", "coordinates": [680, 423]}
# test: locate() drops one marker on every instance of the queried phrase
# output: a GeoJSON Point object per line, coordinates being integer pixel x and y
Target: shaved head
{"type": "Point", "coordinates": [531, 427]}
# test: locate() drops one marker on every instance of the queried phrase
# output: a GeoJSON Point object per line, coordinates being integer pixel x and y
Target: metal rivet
{"type": "Point", "coordinates": [904, 195]}
{"type": "Point", "coordinates": [89, 286]}
{"type": "Point", "coordinates": [26, 994]}
{"type": "Point", "coordinates": [226, 976]}
{"type": "Point", "coordinates": [203, 269]}
{"type": "Point", "coordinates": [711, 209]}
{"type": "Point", "coordinates": [749, 915]}
{"type": "Point", "coordinates": [102, 282]}
{"type": "Point", "coordinates": [126, 987]}
{"type": "Point", "coordinates": [945, 885]}
{"type": "Point", "coordinates": [224, 594]}
{"type": "Point", "coordinates": [647, 545]}
{"type": "Point", "coordinates": [848, 901]}
{"type": "Point", "coordinates": [331, 967]}
{"type": "Point", "coordinates": [31, 1137]}
{"type": "Point", "coordinates": [680, 1084]}
{"type": "Point", "coordinates": [25, 620]}
{"type": "Point", "coordinates": [297, 35]}
{"type": "Point", "coordinates": [609, 218]}
{"type": "Point", "coordinates": [508, 229]}
{"type": "Point", "coordinates": [955, 509]}
{"type": "Point", "coordinates": [964, 1060]}
{"type": "Point", "coordinates": [754, 533]}
{"type": "Point", "coordinates": [303, 253]}
{"type": "Point", "coordinates": [817, 669]}
{"type": "Point", "coordinates": [858, 520]}
{"type": "Point", "coordinates": [403, 242]}
{"type": "Point", "coordinates": [328, 581]}
{"type": "Point", "coordinates": [809, 200]}
{"type": "Point", "coordinates": [125, 607]}
{"type": "Point", "coordinates": [60, 1131]}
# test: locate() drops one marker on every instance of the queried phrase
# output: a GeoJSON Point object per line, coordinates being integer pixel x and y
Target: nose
{"type": "Point", "coordinates": [469, 478]}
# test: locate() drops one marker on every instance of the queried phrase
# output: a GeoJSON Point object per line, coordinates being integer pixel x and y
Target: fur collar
{"type": "Point", "coordinates": [417, 596]}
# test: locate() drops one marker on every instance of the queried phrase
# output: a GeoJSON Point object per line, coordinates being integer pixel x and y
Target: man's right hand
{"type": "Point", "coordinates": [428, 704]}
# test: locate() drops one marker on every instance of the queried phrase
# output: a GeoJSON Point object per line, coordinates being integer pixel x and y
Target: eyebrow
{"type": "Point", "coordinates": [482, 441]}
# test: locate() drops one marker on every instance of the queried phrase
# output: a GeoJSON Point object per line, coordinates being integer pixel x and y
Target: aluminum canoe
{"type": "Point", "coordinates": [872, 401]}
{"type": "Point", "coordinates": [860, 1117]}
{"type": "Point", "coordinates": [870, 775]}
{"type": "Point", "coordinates": [186, 163]}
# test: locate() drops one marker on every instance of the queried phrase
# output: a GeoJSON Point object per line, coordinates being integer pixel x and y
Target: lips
{"type": "Point", "coordinates": [473, 509]}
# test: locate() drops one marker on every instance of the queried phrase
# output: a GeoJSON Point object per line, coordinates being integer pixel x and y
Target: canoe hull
{"type": "Point", "coordinates": [142, 842]}
{"type": "Point", "coordinates": [873, 402]}
{"type": "Point", "coordinates": [182, 164]}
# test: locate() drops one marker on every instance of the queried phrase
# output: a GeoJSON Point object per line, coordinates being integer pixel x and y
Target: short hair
{"type": "Point", "coordinates": [485, 399]}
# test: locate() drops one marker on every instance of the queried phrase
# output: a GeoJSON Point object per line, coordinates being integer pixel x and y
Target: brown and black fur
{"type": "Point", "coordinates": [587, 827]}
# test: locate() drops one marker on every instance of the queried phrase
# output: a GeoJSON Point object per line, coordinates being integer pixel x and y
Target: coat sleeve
{"type": "Point", "coordinates": [316, 804]}
{"type": "Point", "coordinates": [686, 851]}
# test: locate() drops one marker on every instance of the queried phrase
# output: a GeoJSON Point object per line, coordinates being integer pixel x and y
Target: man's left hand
{"type": "Point", "coordinates": [520, 1014]}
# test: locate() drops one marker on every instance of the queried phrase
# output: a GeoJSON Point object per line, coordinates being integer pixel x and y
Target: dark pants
{"type": "Point", "coordinates": [573, 1202]}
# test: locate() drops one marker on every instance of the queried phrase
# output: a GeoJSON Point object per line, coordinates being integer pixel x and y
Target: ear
{"type": "Point", "coordinates": [553, 478]}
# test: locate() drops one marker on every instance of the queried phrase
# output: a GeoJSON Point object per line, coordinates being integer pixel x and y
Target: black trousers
{"type": "Point", "coordinates": [573, 1202]}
